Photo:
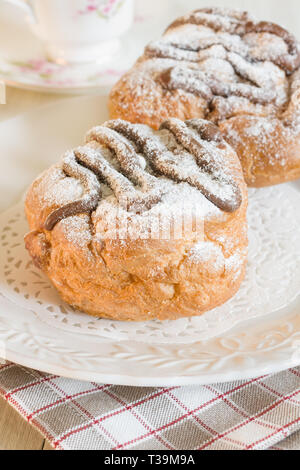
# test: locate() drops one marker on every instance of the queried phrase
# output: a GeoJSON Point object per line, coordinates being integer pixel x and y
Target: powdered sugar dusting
{"type": "Point", "coordinates": [55, 188]}
{"type": "Point", "coordinates": [211, 254]}
{"type": "Point", "coordinates": [248, 62]}
{"type": "Point", "coordinates": [156, 184]}
{"type": "Point", "coordinates": [233, 64]}
{"type": "Point", "coordinates": [180, 202]}
{"type": "Point", "coordinates": [203, 252]}
{"type": "Point", "coordinates": [259, 131]}
{"type": "Point", "coordinates": [76, 230]}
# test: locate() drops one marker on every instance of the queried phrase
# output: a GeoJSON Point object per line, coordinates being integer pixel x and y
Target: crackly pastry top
{"type": "Point", "coordinates": [231, 62]}
{"type": "Point", "coordinates": [138, 170]}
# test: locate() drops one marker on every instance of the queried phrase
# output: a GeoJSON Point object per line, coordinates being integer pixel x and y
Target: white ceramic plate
{"type": "Point", "coordinates": [29, 144]}
{"type": "Point", "coordinates": [23, 63]}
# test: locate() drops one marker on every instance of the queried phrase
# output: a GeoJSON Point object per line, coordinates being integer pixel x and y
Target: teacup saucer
{"type": "Point", "coordinates": [23, 63]}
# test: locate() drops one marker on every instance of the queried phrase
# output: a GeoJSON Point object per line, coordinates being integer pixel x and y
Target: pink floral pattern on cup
{"type": "Point", "coordinates": [38, 72]}
{"type": "Point", "coordinates": [47, 72]}
{"type": "Point", "coordinates": [103, 8]}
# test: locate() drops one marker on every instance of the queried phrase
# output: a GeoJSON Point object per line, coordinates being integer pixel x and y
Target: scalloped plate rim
{"type": "Point", "coordinates": [261, 366]}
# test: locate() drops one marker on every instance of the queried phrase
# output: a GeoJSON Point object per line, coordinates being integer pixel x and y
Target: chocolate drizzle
{"type": "Point", "coordinates": [218, 19]}
{"type": "Point", "coordinates": [241, 23]}
{"type": "Point", "coordinates": [90, 184]}
{"type": "Point", "coordinates": [183, 133]}
{"type": "Point", "coordinates": [226, 42]}
{"type": "Point", "coordinates": [140, 156]}
{"type": "Point", "coordinates": [208, 87]}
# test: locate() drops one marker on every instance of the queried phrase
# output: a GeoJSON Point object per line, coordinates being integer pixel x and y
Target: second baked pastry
{"type": "Point", "coordinates": [223, 66]}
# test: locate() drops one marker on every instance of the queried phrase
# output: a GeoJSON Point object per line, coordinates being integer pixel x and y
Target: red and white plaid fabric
{"type": "Point", "coordinates": [262, 413]}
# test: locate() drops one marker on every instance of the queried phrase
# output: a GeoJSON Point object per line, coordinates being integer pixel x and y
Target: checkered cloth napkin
{"type": "Point", "coordinates": [262, 413]}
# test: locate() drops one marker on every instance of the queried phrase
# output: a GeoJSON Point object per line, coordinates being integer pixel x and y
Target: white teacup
{"type": "Point", "coordinates": [78, 31]}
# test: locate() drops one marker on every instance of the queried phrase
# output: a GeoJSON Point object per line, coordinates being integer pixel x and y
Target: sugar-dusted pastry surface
{"type": "Point", "coordinates": [224, 66]}
{"type": "Point", "coordinates": [139, 224]}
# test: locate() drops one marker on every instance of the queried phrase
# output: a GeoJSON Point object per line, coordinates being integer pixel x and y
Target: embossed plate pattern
{"type": "Point", "coordinates": [269, 347]}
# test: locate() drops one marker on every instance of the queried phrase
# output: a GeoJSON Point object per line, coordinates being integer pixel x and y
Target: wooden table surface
{"type": "Point", "coordinates": [15, 432]}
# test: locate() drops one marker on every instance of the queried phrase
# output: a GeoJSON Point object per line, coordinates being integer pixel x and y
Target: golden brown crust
{"type": "Point", "coordinates": [137, 279]}
{"type": "Point", "coordinates": [142, 280]}
{"type": "Point", "coordinates": [271, 159]}
{"type": "Point", "coordinates": [144, 101]}
{"type": "Point", "coordinates": [268, 156]}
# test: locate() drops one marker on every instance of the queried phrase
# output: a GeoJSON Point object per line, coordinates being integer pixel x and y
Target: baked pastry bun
{"type": "Point", "coordinates": [140, 224]}
{"type": "Point", "coordinates": [223, 66]}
